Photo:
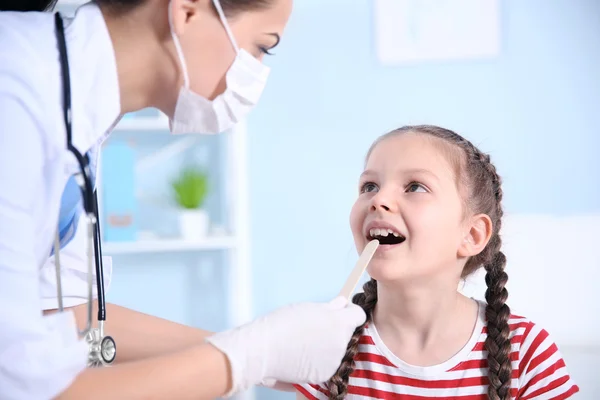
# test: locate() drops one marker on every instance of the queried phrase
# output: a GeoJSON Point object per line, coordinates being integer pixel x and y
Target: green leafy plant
{"type": "Point", "coordinates": [190, 188]}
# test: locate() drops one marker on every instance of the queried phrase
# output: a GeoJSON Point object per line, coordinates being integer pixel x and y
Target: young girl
{"type": "Point", "coordinates": [433, 200]}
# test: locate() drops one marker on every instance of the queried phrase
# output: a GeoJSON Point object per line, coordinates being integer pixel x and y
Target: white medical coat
{"type": "Point", "coordinates": [41, 355]}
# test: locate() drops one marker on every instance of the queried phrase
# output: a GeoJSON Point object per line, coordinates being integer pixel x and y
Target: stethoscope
{"type": "Point", "coordinates": [102, 348]}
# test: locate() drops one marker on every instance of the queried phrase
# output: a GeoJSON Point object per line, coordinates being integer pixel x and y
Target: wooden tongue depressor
{"type": "Point", "coordinates": [352, 281]}
{"type": "Point", "coordinates": [359, 269]}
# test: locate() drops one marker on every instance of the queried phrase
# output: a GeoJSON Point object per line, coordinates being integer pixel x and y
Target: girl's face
{"type": "Point", "coordinates": [409, 192]}
{"type": "Point", "coordinates": [207, 48]}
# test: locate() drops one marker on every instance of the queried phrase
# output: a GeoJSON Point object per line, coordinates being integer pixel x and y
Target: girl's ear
{"type": "Point", "coordinates": [477, 235]}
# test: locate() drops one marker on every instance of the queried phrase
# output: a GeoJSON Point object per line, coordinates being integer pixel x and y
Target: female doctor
{"type": "Point", "coordinates": [200, 62]}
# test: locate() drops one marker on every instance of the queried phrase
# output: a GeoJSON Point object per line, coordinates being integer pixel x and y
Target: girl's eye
{"type": "Point", "coordinates": [368, 187]}
{"type": "Point", "coordinates": [415, 188]}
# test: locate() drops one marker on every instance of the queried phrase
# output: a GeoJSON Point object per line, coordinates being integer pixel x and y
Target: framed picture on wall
{"type": "Point", "coordinates": [416, 31]}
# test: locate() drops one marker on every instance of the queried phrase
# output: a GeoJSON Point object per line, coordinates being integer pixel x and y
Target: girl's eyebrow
{"type": "Point", "coordinates": [410, 171]}
{"type": "Point", "coordinates": [420, 171]}
{"type": "Point", "coordinates": [367, 172]}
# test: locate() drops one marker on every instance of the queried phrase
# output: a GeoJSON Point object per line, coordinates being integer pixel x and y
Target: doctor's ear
{"type": "Point", "coordinates": [477, 235]}
{"type": "Point", "coordinates": [184, 12]}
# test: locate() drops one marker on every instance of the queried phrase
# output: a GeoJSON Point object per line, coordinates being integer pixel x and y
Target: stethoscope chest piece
{"type": "Point", "coordinates": [102, 349]}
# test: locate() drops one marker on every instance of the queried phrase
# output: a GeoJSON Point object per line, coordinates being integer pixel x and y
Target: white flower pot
{"type": "Point", "coordinates": [193, 224]}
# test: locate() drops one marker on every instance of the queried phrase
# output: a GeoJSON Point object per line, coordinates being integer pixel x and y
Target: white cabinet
{"type": "Point", "coordinates": [232, 241]}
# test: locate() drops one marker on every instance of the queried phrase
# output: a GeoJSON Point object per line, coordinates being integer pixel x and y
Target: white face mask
{"type": "Point", "coordinates": [246, 79]}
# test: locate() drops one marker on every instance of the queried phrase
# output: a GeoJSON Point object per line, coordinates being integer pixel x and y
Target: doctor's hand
{"type": "Point", "coordinates": [301, 343]}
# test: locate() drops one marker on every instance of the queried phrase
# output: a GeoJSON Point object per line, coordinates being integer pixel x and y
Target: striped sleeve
{"type": "Point", "coordinates": [542, 370]}
{"type": "Point", "coordinates": [313, 392]}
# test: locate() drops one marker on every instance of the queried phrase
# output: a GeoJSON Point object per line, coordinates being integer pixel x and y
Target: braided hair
{"type": "Point", "coordinates": [478, 177]}
{"type": "Point", "coordinates": [338, 384]}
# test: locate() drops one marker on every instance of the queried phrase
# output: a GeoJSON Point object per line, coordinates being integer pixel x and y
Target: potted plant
{"type": "Point", "coordinates": [190, 189]}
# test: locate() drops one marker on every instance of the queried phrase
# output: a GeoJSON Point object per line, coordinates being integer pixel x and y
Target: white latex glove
{"type": "Point", "coordinates": [301, 343]}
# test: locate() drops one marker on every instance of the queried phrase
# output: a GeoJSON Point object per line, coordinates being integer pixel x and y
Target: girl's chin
{"type": "Point", "coordinates": [399, 273]}
{"type": "Point", "coordinates": [388, 271]}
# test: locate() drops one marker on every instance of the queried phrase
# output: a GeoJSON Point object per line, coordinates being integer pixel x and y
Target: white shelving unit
{"type": "Point", "coordinates": [168, 246]}
{"type": "Point", "coordinates": [235, 243]}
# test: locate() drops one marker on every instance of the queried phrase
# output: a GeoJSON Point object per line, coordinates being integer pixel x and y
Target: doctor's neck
{"type": "Point", "coordinates": [139, 36]}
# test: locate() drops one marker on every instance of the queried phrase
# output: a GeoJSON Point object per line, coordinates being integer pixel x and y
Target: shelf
{"type": "Point", "coordinates": [143, 124]}
{"type": "Point", "coordinates": [168, 245]}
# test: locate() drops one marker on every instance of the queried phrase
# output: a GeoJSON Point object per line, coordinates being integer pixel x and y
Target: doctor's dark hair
{"type": "Point", "coordinates": [27, 5]}
{"type": "Point", "coordinates": [230, 7]}
{"type": "Point", "coordinates": [482, 193]}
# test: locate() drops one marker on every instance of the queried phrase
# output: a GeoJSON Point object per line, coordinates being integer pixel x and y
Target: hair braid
{"type": "Point", "coordinates": [497, 342]}
{"type": "Point", "coordinates": [338, 384]}
{"type": "Point", "coordinates": [497, 312]}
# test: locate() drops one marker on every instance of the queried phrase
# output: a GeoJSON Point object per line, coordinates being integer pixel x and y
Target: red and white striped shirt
{"type": "Point", "coordinates": [539, 371]}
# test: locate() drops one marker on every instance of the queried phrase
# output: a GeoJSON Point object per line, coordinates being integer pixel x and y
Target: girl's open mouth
{"type": "Point", "coordinates": [385, 236]}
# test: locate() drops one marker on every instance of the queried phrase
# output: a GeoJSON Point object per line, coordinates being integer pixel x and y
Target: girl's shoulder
{"type": "Point", "coordinates": [537, 363]}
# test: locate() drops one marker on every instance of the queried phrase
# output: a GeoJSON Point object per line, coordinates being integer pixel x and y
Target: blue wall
{"type": "Point", "coordinates": [535, 108]}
